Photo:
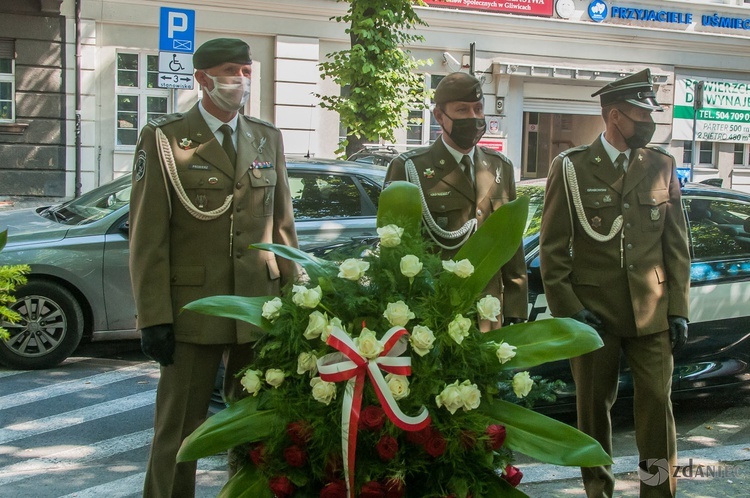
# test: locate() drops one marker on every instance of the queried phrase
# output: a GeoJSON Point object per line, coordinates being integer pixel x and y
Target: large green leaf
{"type": "Point", "coordinates": [400, 201]}
{"type": "Point", "coordinates": [3, 239]}
{"type": "Point", "coordinates": [241, 422]}
{"type": "Point", "coordinates": [493, 244]}
{"type": "Point", "coordinates": [314, 266]}
{"type": "Point", "coordinates": [543, 438]}
{"type": "Point", "coordinates": [247, 483]}
{"type": "Point", "coordinates": [497, 487]}
{"type": "Point", "coordinates": [545, 340]}
{"type": "Point", "coordinates": [248, 309]}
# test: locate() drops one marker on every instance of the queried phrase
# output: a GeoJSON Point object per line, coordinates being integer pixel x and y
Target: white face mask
{"type": "Point", "coordinates": [230, 93]}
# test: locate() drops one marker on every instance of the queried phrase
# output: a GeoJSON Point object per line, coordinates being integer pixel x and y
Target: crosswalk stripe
{"type": "Point", "coordinates": [77, 385]}
{"type": "Point", "coordinates": [74, 417]}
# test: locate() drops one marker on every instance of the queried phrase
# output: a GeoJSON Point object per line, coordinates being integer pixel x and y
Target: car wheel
{"type": "Point", "coordinates": [50, 328]}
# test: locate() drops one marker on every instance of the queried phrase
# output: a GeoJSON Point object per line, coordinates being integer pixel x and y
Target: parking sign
{"type": "Point", "coordinates": [176, 30]}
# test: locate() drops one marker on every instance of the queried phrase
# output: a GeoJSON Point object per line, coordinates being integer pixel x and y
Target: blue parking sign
{"type": "Point", "coordinates": [176, 30]}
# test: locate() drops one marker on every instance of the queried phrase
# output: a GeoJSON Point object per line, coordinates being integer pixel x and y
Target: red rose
{"type": "Point", "coordinates": [512, 475]}
{"type": "Point", "coordinates": [435, 446]}
{"type": "Point", "coordinates": [372, 418]}
{"type": "Point", "coordinates": [419, 437]}
{"type": "Point", "coordinates": [258, 454]}
{"type": "Point", "coordinates": [334, 489]}
{"type": "Point", "coordinates": [281, 486]}
{"type": "Point", "coordinates": [496, 433]}
{"type": "Point", "coordinates": [295, 456]}
{"type": "Point", "coordinates": [372, 489]}
{"type": "Point", "coordinates": [387, 448]}
{"type": "Point", "coordinates": [299, 432]}
{"type": "Point", "coordinates": [395, 488]}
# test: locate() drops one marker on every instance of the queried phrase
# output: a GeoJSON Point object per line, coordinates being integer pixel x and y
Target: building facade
{"type": "Point", "coordinates": [540, 61]}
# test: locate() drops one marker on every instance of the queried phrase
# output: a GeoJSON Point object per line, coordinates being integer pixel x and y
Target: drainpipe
{"type": "Point", "coordinates": [78, 99]}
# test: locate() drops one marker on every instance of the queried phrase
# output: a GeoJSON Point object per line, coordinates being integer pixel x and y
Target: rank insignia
{"type": "Point", "coordinates": [442, 161]}
{"type": "Point", "coordinates": [185, 144]}
{"type": "Point", "coordinates": [429, 173]}
{"type": "Point", "coordinates": [655, 215]}
{"type": "Point", "coordinates": [640, 157]}
{"type": "Point", "coordinates": [140, 166]}
{"type": "Point", "coordinates": [607, 198]}
{"type": "Point", "coordinates": [598, 159]}
{"type": "Point", "coordinates": [596, 222]}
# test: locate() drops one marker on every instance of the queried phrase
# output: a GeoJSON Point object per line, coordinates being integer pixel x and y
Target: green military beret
{"type": "Point", "coordinates": [458, 87]}
{"type": "Point", "coordinates": [636, 89]}
{"type": "Point", "coordinates": [221, 50]}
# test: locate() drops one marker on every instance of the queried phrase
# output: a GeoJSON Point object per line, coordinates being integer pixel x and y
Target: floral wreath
{"type": "Point", "coordinates": [374, 381]}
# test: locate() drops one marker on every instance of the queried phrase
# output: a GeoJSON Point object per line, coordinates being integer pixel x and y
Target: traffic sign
{"type": "Point", "coordinates": [176, 30]}
{"type": "Point", "coordinates": [175, 70]}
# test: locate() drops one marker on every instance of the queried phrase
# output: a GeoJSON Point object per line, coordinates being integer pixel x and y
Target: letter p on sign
{"type": "Point", "coordinates": [176, 30]}
{"type": "Point", "coordinates": [178, 22]}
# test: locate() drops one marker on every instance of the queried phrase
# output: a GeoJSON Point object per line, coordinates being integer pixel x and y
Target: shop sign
{"type": "Point", "coordinates": [598, 11]}
{"type": "Point", "coordinates": [724, 116]}
{"type": "Point", "coordinates": [526, 7]}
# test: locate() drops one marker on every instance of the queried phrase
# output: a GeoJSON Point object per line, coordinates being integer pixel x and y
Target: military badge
{"type": "Point", "coordinates": [185, 144]}
{"type": "Point", "coordinates": [498, 176]}
{"type": "Point", "coordinates": [213, 180]}
{"type": "Point", "coordinates": [262, 143]}
{"type": "Point", "coordinates": [598, 159]}
{"type": "Point", "coordinates": [429, 173]}
{"type": "Point", "coordinates": [442, 161]}
{"type": "Point", "coordinates": [655, 215]}
{"type": "Point", "coordinates": [596, 222]}
{"type": "Point", "coordinates": [139, 168]}
{"type": "Point", "coordinates": [607, 198]}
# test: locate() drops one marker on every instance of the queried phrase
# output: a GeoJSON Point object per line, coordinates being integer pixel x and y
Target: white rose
{"type": "Point", "coordinates": [275, 377]}
{"type": "Point", "coordinates": [251, 381]}
{"type": "Point", "coordinates": [450, 398]}
{"type": "Point", "coordinates": [399, 385]}
{"type": "Point", "coordinates": [316, 324]}
{"type": "Point", "coordinates": [421, 339]}
{"type": "Point", "coordinates": [390, 235]}
{"type": "Point", "coordinates": [323, 391]}
{"type": "Point", "coordinates": [458, 329]}
{"type": "Point", "coordinates": [307, 362]}
{"type": "Point", "coordinates": [353, 269]}
{"type": "Point", "coordinates": [410, 266]}
{"type": "Point", "coordinates": [271, 309]}
{"type": "Point", "coordinates": [334, 323]}
{"type": "Point", "coordinates": [306, 298]}
{"type": "Point", "coordinates": [505, 352]}
{"type": "Point", "coordinates": [522, 384]}
{"type": "Point", "coordinates": [462, 269]}
{"type": "Point", "coordinates": [368, 344]}
{"type": "Point", "coordinates": [488, 308]}
{"type": "Point", "coordinates": [398, 314]}
{"type": "Point", "coordinates": [470, 395]}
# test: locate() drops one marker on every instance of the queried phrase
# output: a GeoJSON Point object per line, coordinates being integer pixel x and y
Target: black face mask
{"type": "Point", "coordinates": [643, 132]}
{"type": "Point", "coordinates": [467, 132]}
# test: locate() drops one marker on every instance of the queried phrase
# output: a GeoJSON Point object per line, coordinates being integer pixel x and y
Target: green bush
{"type": "Point", "coordinates": [10, 277]}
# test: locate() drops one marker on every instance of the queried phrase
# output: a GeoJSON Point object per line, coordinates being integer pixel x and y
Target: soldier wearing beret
{"type": "Point", "coordinates": [614, 255]}
{"type": "Point", "coordinates": [206, 185]}
{"type": "Point", "coordinates": [463, 184]}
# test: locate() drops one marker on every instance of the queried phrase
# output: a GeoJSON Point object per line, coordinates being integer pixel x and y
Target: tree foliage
{"type": "Point", "coordinates": [377, 74]}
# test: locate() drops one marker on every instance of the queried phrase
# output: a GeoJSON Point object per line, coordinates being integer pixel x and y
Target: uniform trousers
{"type": "Point", "coordinates": [596, 376]}
{"type": "Point", "coordinates": [182, 400]}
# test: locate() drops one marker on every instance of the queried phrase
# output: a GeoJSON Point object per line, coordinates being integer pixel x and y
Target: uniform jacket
{"type": "Point", "coordinates": [176, 258]}
{"type": "Point", "coordinates": [453, 201]}
{"type": "Point", "coordinates": [653, 282]}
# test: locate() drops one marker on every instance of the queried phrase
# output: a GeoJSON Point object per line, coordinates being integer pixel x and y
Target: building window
{"type": "Point", "coordinates": [705, 154]}
{"type": "Point", "coordinates": [741, 155]}
{"type": "Point", "coordinates": [139, 98]}
{"type": "Point", "coordinates": [7, 81]}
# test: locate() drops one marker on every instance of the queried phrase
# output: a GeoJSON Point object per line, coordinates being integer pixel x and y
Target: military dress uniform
{"type": "Point", "coordinates": [452, 200]}
{"type": "Point", "coordinates": [632, 279]}
{"type": "Point", "coordinates": [191, 222]}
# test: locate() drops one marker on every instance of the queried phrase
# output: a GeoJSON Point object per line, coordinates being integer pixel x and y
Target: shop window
{"type": "Point", "coordinates": [7, 81]}
{"type": "Point", "coordinates": [705, 157]}
{"type": "Point", "coordinates": [742, 155]}
{"type": "Point", "coordinates": [139, 98]}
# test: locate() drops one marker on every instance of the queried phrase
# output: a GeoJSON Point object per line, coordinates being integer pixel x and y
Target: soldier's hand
{"type": "Point", "coordinates": [589, 318]}
{"type": "Point", "coordinates": [512, 320]}
{"type": "Point", "coordinates": [678, 331]}
{"type": "Point", "coordinates": [157, 342]}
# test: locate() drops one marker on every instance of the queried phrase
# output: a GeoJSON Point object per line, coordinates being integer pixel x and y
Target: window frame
{"type": "Point", "coordinates": [745, 162]}
{"type": "Point", "coordinates": [687, 148]}
{"type": "Point", "coordinates": [10, 78]}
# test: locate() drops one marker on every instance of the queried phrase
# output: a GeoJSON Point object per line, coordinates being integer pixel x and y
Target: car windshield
{"type": "Point", "coordinates": [93, 205]}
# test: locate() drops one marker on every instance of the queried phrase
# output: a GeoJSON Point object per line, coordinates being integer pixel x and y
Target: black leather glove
{"type": "Point", "coordinates": [678, 331]}
{"type": "Point", "coordinates": [512, 320]}
{"type": "Point", "coordinates": [157, 342]}
{"type": "Point", "coordinates": [589, 318]}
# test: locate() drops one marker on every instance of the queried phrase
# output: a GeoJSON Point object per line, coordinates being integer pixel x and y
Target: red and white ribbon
{"type": "Point", "coordinates": [351, 366]}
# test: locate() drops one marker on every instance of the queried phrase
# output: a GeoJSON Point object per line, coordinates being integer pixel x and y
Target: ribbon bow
{"type": "Point", "coordinates": [351, 366]}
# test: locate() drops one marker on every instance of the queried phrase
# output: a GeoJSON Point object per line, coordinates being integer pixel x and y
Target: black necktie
{"type": "Point", "coordinates": [622, 162]}
{"type": "Point", "coordinates": [227, 143]}
{"type": "Point", "coordinates": [466, 167]}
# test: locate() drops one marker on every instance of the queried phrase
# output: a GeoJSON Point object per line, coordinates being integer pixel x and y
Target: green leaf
{"type": "Point", "coordinates": [247, 483]}
{"type": "Point", "coordinates": [247, 309]}
{"type": "Point", "coordinates": [241, 422]}
{"type": "Point", "coordinates": [314, 267]}
{"type": "Point", "coordinates": [487, 250]}
{"type": "Point", "coordinates": [545, 340]}
{"type": "Point", "coordinates": [400, 201]}
{"type": "Point", "coordinates": [497, 487]}
{"type": "Point", "coordinates": [544, 438]}
{"type": "Point", "coordinates": [3, 239]}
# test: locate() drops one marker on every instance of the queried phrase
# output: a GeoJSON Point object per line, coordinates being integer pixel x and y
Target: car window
{"type": "Point", "coordinates": [372, 191]}
{"type": "Point", "coordinates": [719, 228]}
{"type": "Point", "coordinates": [93, 205]}
{"type": "Point", "coordinates": [321, 195]}
{"type": "Point", "coordinates": [535, 193]}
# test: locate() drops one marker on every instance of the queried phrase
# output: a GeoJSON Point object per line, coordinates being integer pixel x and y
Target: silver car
{"type": "Point", "coordinates": [79, 286]}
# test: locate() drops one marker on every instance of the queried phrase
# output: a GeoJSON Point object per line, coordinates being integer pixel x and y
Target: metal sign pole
{"type": "Point", "coordinates": [697, 105]}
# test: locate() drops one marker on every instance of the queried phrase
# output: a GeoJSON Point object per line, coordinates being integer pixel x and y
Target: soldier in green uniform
{"type": "Point", "coordinates": [462, 184]}
{"type": "Point", "coordinates": [206, 185]}
{"type": "Point", "coordinates": [614, 255]}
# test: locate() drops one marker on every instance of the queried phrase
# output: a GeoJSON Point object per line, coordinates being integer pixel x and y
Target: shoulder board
{"type": "Point", "coordinates": [413, 153]}
{"type": "Point", "coordinates": [572, 150]}
{"type": "Point", "coordinates": [258, 121]}
{"type": "Point", "coordinates": [658, 149]}
{"type": "Point", "coordinates": [165, 119]}
{"type": "Point", "coordinates": [494, 152]}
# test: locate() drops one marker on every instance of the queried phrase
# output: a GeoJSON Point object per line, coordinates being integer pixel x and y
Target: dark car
{"type": "Point", "coordinates": [377, 155]}
{"type": "Point", "coordinates": [79, 286]}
